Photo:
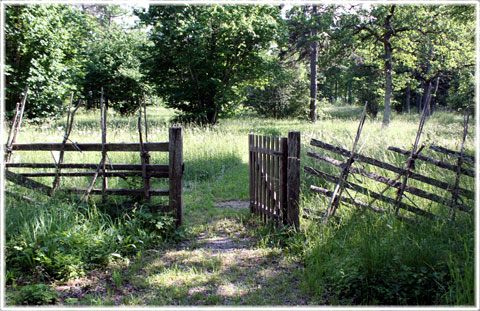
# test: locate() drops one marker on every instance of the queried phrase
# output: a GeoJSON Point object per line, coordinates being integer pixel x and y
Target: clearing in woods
{"type": "Point", "coordinates": [226, 257]}
{"type": "Point", "coordinates": [222, 262]}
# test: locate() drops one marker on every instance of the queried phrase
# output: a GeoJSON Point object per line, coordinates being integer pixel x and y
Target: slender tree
{"type": "Point", "coordinates": [313, 70]}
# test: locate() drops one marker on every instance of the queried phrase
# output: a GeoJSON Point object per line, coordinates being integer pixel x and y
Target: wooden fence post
{"type": "Point", "coordinates": [283, 179]}
{"type": "Point", "coordinates": [293, 179]}
{"type": "Point", "coordinates": [252, 165]}
{"type": "Point", "coordinates": [175, 169]}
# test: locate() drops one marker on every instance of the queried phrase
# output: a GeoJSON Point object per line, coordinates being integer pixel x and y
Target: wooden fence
{"type": "Point", "coordinates": [173, 170]}
{"type": "Point", "coordinates": [454, 195]}
{"type": "Point", "coordinates": [275, 177]}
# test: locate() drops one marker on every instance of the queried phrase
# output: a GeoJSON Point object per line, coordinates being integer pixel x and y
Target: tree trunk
{"type": "Point", "coordinates": [426, 97]}
{"type": "Point", "coordinates": [212, 115]}
{"type": "Point", "coordinates": [407, 103]}
{"type": "Point", "coordinates": [313, 73]}
{"type": "Point", "coordinates": [418, 102]}
{"type": "Point", "coordinates": [418, 99]}
{"type": "Point", "coordinates": [433, 98]}
{"type": "Point", "coordinates": [388, 81]}
{"type": "Point", "coordinates": [350, 94]}
{"type": "Point", "coordinates": [336, 90]}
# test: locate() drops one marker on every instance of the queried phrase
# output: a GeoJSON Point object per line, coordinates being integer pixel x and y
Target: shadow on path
{"type": "Point", "coordinates": [221, 264]}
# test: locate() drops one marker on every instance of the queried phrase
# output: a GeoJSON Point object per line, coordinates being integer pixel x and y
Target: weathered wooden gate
{"type": "Point", "coordinates": [275, 177]}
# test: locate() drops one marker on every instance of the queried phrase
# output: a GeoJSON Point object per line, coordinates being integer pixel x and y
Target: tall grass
{"type": "Point", "coordinates": [371, 260]}
{"type": "Point", "coordinates": [358, 259]}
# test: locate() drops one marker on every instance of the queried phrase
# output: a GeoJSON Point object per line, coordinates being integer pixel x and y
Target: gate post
{"type": "Point", "coordinates": [293, 179]}
{"type": "Point", "coordinates": [251, 171]}
{"type": "Point", "coordinates": [175, 171]}
{"type": "Point", "coordinates": [283, 179]}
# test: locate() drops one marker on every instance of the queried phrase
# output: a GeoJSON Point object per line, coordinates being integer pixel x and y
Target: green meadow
{"type": "Point", "coordinates": [62, 251]}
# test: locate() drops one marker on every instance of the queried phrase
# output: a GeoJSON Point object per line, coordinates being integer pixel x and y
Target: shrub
{"type": "Point", "coordinates": [65, 240]}
{"type": "Point", "coordinates": [285, 95]}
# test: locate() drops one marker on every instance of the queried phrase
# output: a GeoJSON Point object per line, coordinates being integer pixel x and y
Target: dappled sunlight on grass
{"type": "Point", "coordinates": [225, 255]}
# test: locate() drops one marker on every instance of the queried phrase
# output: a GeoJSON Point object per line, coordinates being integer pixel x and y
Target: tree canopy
{"type": "Point", "coordinates": [209, 61]}
{"type": "Point", "coordinates": [202, 55]}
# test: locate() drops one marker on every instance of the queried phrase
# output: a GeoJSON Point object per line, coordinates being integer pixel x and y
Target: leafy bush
{"type": "Point", "coordinates": [43, 44]}
{"type": "Point", "coordinates": [142, 227]}
{"type": "Point", "coordinates": [285, 95]}
{"type": "Point", "coordinates": [367, 88]}
{"type": "Point", "coordinates": [37, 294]}
{"type": "Point", "coordinates": [373, 100]}
{"type": "Point", "coordinates": [114, 64]}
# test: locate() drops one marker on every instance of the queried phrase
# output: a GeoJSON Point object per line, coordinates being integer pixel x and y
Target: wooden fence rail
{"type": "Point", "coordinates": [435, 162]}
{"type": "Point", "coordinates": [456, 154]}
{"type": "Point", "coordinates": [120, 147]}
{"type": "Point", "coordinates": [383, 165]}
{"type": "Point", "coordinates": [394, 183]}
{"type": "Point", "coordinates": [173, 170]}
{"type": "Point", "coordinates": [275, 177]}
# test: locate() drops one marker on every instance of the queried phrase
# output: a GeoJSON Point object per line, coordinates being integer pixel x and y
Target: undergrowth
{"type": "Point", "coordinates": [61, 239]}
{"type": "Point", "coordinates": [369, 259]}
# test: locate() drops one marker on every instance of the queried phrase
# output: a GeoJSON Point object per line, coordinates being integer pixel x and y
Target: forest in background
{"type": "Point", "coordinates": [210, 62]}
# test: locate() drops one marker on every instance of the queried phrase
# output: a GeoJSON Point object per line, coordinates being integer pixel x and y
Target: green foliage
{"type": "Point", "coordinates": [461, 289]}
{"type": "Point", "coordinates": [216, 170]}
{"type": "Point", "coordinates": [379, 260]}
{"type": "Point", "coordinates": [36, 294]}
{"type": "Point", "coordinates": [113, 62]}
{"type": "Point", "coordinates": [43, 43]}
{"type": "Point", "coordinates": [426, 41]}
{"type": "Point", "coordinates": [366, 87]}
{"type": "Point", "coordinates": [140, 226]}
{"type": "Point", "coordinates": [461, 90]}
{"type": "Point", "coordinates": [204, 55]}
{"type": "Point", "coordinates": [285, 94]}
{"type": "Point", "coordinates": [65, 245]}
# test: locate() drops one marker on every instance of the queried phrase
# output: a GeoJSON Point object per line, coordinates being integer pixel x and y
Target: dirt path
{"type": "Point", "coordinates": [222, 264]}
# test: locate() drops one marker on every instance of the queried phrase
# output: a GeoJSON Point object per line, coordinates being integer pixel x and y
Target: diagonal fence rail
{"type": "Point", "coordinates": [454, 198]}
{"type": "Point", "coordinates": [172, 171]}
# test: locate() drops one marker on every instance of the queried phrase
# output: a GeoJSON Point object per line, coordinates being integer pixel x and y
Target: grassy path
{"type": "Point", "coordinates": [221, 263]}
